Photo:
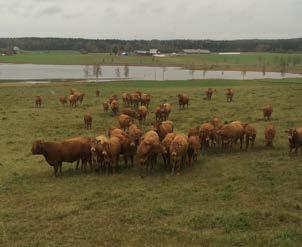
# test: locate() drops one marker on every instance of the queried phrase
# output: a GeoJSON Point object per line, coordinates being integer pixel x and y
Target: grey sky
{"type": "Point", "coordinates": [151, 19]}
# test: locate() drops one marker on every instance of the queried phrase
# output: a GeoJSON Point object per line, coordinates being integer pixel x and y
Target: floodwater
{"type": "Point", "coordinates": [65, 72]}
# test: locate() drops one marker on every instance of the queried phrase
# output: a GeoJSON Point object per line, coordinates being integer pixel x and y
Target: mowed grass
{"type": "Point", "coordinates": [227, 198]}
{"type": "Point", "coordinates": [249, 61]}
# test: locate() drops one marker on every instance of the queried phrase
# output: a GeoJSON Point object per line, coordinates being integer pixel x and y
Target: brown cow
{"type": "Point", "coordinates": [114, 105]}
{"type": "Point", "coordinates": [269, 134]}
{"type": "Point", "coordinates": [100, 152]}
{"type": "Point", "coordinates": [87, 121]}
{"type": "Point", "coordinates": [124, 121]}
{"type": "Point", "coordinates": [148, 150]}
{"type": "Point", "coordinates": [112, 98]}
{"type": "Point", "coordinates": [114, 152]}
{"type": "Point", "coordinates": [97, 93]}
{"type": "Point", "coordinates": [230, 133]}
{"type": "Point", "coordinates": [193, 131]}
{"type": "Point", "coordinates": [166, 111]}
{"type": "Point", "coordinates": [250, 135]}
{"type": "Point", "coordinates": [56, 153]}
{"type": "Point", "coordinates": [166, 145]}
{"type": "Point", "coordinates": [130, 112]}
{"type": "Point", "coordinates": [229, 94]}
{"type": "Point", "coordinates": [135, 134]}
{"type": "Point", "coordinates": [145, 99]}
{"type": "Point", "coordinates": [142, 112]}
{"type": "Point", "coordinates": [267, 112]}
{"type": "Point", "coordinates": [63, 100]}
{"type": "Point", "coordinates": [294, 139]}
{"type": "Point", "coordinates": [209, 93]}
{"type": "Point", "coordinates": [207, 136]}
{"type": "Point", "coordinates": [72, 100]}
{"type": "Point", "coordinates": [193, 148]}
{"type": "Point", "coordinates": [128, 148]}
{"type": "Point", "coordinates": [135, 99]}
{"type": "Point", "coordinates": [163, 128]}
{"type": "Point", "coordinates": [38, 101]}
{"type": "Point", "coordinates": [105, 106]}
{"type": "Point", "coordinates": [178, 152]}
{"type": "Point", "coordinates": [183, 100]}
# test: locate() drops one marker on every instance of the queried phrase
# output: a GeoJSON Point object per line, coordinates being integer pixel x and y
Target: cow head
{"type": "Point", "coordinates": [37, 147]}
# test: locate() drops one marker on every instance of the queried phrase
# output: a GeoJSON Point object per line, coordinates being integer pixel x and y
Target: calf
{"type": "Point", "coordinates": [183, 100]}
{"type": "Point", "coordinates": [294, 139]}
{"type": "Point", "coordinates": [267, 112]}
{"type": "Point", "coordinates": [193, 148]}
{"type": "Point", "coordinates": [87, 121]}
{"type": "Point", "coordinates": [63, 100]}
{"type": "Point", "coordinates": [178, 152]}
{"type": "Point", "coordinates": [38, 101]}
{"type": "Point", "coordinates": [269, 135]}
{"type": "Point", "coordinates": [105, 106]}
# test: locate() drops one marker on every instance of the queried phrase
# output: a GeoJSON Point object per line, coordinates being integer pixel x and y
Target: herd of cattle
{"type": "Point", "coordinates": [129, 141]}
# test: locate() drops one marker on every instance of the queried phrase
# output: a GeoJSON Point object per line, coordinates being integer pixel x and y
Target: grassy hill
{"type": "Point", "coordinates": [227, 198]}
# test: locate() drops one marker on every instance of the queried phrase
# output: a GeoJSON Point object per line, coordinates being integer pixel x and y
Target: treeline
{"type": "Point", "coordinates": [113, 45]}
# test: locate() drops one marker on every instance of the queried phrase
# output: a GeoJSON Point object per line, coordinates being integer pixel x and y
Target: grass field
{"type": "Point", "coordinates": [238, 198]}
{"type": "Point", "coordinates": [248, 61]}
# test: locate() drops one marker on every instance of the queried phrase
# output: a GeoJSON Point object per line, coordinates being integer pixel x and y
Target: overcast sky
{"type": "Point", "coordinates": [152, 19]}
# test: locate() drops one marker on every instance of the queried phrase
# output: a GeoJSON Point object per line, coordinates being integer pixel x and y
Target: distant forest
{"type": "Point", "coordinates": [113, 45]}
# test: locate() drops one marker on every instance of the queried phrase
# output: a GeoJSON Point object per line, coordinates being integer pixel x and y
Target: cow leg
{"type": "Point", "coordinates": [126, 161]}
{"type": "Point", "coordinates": [60, 167]}
{"type": "Point", "coordinates": [247, 141]}
{"type": "Point", "coordinates": [55, 169]}
{"type": "Point", "coordinates": [241, 141]}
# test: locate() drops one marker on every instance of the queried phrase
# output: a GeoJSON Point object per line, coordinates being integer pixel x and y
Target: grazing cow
{"type": "Point", "coordinates": [56, 153]}
{"type": "Point", "coordinates": [87, 121]}
{"type": "Point", "coordinates": [130, 112]}
{"type": "Point", "coordinates": [193, 148]}
{"type": "Point", "coordinates": [80, 97]}
{"type": "Point", "coordinates": [72, 100]}
{"type": "Point", "coordinates": [124, 121]}
{"type": "Point", "coordinates": [267, 112]}
{"type": "Point", "coordinates": [38, 101]}
{"type": "Point", "coordinates": [63, 100]}
{"type": "Point", "coordinates": [163, 128]}
{"type": "Point", "coordinates": [166, 145]}
{"type": "Point", "coordinates": [178, 152]}
{"type": "Point", "coordinates": [269, 135]}
{"type": "Point", "coordinates": [294, 139]}
{"type": "Point", "coordinates": [145, 99]}
{"type": "Point", "coordinates": [229, 94]}
{"type": "Point", "coordinates": [135, 134]}
{"type": "Point", "coordinates": [97, 93]}
{"type": "Point", "coordinates": [207, 135]}
{"type": "Point", "coordinates": [230, 133]}
{"type": "Point", "coordinates": [250, 135]}
{"type": "Point", "coordinates": [105, 106]}
{"type": "Point", "coordinates": [142, 112]}
{"type": "Point", "coordinates": [148, 150]}
{"type": "Point", "coordinates": [183, 100]}
{"type": "Point", "coordinates": [114, 105]}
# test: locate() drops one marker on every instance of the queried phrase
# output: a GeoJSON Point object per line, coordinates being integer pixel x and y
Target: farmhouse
{"type": "Point", "coordinates": [196, 51]}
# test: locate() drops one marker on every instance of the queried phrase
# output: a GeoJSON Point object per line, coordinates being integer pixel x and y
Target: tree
{"type": "Point", "coordinates": [263, 70]}
{"type": "Point", "coordinates": [86, 71]}
{"type": "Point", "coordinates": [204, 70]}
{"type": "Point", "coordinates": [97, 70]}
{"type": "Point", "coordinates": [164, 71]}
{"type": "Point", "coordinates": [126, 70]}
{"type": "Point", "coordinates": [115, 50]}
{"type": "Point", "coordinates": [192, 70]}
{"type": "Point", "coordinates": [243, 72]}
{"type": "Point", "coordinates": [117, 72]}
